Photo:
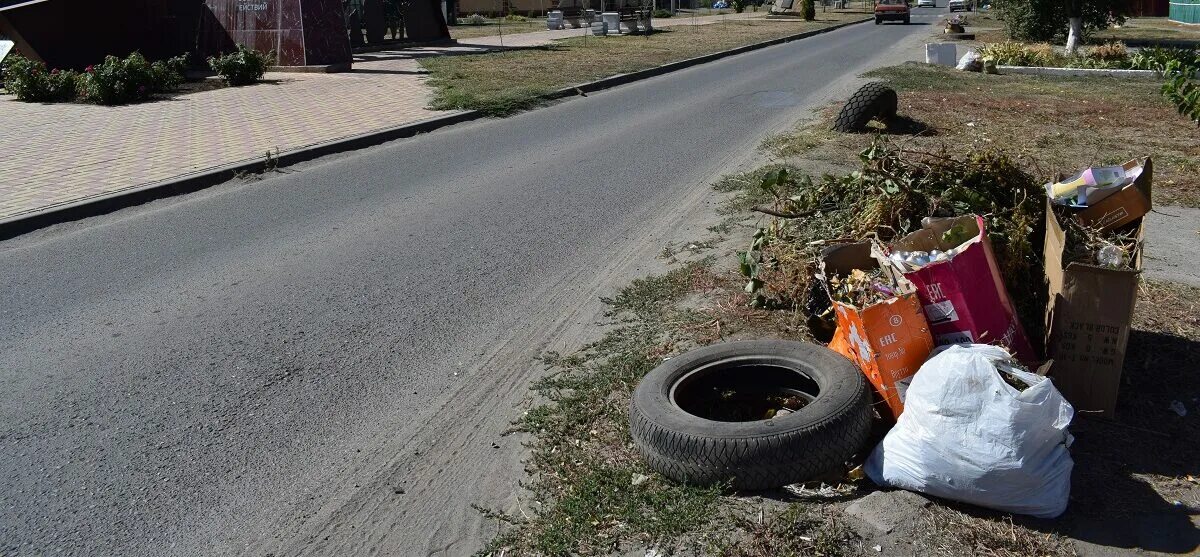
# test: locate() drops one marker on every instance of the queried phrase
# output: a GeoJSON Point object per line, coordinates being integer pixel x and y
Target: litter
{"type": "Point", "coordinates": [968, 435]}
{"type": "Point", "coordinates": [1092, 280]}
{"type": "Point", "coordinates": [880, 326]}
{"type": "Point", "coordinates": [952, 264]}
{"type": "Point", "coordinates": [1178, 408]}
{"type": "Point", "coordinates": [1106, 198]}
{"type": "Point", "coordinates": [970, 62]}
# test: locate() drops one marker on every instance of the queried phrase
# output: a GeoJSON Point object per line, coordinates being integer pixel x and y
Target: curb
{"type": "Point", "coordinates": [191, 182]}
{"type": "Point", "coordinates": [1074, 72]}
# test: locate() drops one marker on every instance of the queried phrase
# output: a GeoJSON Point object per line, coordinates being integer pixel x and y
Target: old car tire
{"type": "Point", "coordinates": [907, 20]}
{"type": "Point", "coordinates": [878, 21]}
{"type": "Point", "coordinates": [759, 454]}
{"type": "Point", "coordinates": [872, 100]}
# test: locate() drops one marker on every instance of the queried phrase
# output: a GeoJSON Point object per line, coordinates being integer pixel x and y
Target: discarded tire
{"type": "Point", "coordinates": [873, 100]}
{"type": "Point", "coordinates": [760, 414]}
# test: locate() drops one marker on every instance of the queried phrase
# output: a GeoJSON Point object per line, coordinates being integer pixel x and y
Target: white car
{"type": "Point", "coordinates": [956, 5]}
{"type": "Point", "coordinates": [926, 3]}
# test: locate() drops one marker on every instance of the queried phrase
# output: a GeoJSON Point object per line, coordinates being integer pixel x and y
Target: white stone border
{"type": "Point", "coordinates": [1073, 72]}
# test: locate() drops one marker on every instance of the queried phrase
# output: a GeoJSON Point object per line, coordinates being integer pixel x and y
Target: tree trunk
{"type": "Point", "coordinates": [1075, 35]}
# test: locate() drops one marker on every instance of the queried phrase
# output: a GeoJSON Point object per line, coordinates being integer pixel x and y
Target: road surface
{"type": "Point", "coordinates": [322, 362]}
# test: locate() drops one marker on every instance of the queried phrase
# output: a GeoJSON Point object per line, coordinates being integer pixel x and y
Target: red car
{"type": "Point", "coordinates": [894, 10]}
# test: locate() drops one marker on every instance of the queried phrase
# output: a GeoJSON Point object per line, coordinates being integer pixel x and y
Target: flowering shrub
{"type": "Point", "coordinates": [117, 81]}
{"type": "Point", "coordinates": [114, 81]}
{"type": "Point", "coordinates": [30, 81]}
{"type": "Point", "coordinates": [132, 79]}
{"type": "Point", "coordinates": [243, 67]}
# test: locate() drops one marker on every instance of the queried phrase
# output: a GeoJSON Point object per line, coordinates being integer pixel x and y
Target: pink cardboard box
{"type": "Point", "coordinates": [964, 297]}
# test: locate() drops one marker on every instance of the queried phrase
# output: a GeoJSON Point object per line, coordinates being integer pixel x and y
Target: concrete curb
{"type": "Point", "coordinates": [1074, 72]}
{"type": "Point", "coordinates": [191, 182]}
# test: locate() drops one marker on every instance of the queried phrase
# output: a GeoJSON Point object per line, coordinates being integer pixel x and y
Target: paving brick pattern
{"type": "Point", "coordinates": [56, 154]}
{"type": "Point", "coordinates": [60, 153]}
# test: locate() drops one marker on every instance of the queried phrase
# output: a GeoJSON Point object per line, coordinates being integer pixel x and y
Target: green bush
{"type": "Point", "coordinates": [1156, 58]}
{"type": "Point", "coordinates": [1182, 90]}
{"type": "Point", "coordinates": [475, 19]}
{"type": "Point", "coordinates": [169, 73]}
{"type": "Point", "coordinates": [120, 81]}
{"type": "Point", "coordinates": [30, 81]}
{"type": "Point", "coordinates": [516, 18]}
{"type": "Point", "coordinates": [808, 9]}
{"type": "Point", "coordinates": [663, 13]}
{"type": "Point", "coordinates": [1048, 21]}
{"type": "Point", "coordinates": [244, 67]}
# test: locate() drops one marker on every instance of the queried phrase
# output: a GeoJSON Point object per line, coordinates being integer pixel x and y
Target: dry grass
{"type": "Point", "coordinates": [504, 82]}
{"type": "Point", "coordinates": [507, 27]}
{"type": "Point", "coordinates": [952, 532]}
{"type": "Point", "coordinates": [1149, 29]}
{"type": "Point", "coordinates": [1054, 125]}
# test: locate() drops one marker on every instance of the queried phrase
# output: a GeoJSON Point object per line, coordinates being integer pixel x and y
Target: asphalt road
{"type": "Point", "coordinates": [255, 368]}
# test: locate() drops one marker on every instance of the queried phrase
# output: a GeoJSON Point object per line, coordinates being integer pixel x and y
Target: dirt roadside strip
{"type": "Point", "coordinates": [195, 181]}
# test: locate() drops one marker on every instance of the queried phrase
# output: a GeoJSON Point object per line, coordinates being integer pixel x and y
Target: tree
{"type": "Point", "coordinates": [1058, 20]}
{"type": "Point", "coordinates": [809, 10]}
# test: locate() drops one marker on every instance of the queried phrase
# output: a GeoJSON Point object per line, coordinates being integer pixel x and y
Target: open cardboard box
{"type": "Point", "coordinates": [888, 340]}
{"type": "Point", "coordinates": [964, 297]}
{"type": "Point", "coordinates": [1132, 202]}
{"type": "Point", "coordinates": [1088, 318]}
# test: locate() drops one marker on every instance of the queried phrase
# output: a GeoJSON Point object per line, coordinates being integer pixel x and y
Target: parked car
{"type": "Point", "coordinates": [956, 5]}
{"type": "Point", "coordinates": [926, 3]}
{"type": "Point", "coordinates": [891, 10]}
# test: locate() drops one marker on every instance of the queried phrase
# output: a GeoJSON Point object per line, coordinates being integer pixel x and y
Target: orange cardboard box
{"type": "Point", "coordinates": [888, 340]}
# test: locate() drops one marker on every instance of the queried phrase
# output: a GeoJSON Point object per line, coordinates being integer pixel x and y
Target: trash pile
{"type": "Point", "coordinates": [918, 278]}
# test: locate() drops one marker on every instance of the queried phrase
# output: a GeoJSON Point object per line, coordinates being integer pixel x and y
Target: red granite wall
{"type": "Point", "coordinates": [300, 32]}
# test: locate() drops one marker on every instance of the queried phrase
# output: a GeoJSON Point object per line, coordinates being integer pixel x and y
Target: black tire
{"type": "Point", "coordinates": [872, 100]}
{"type": "Point", "coordinates": [878, 21]}
{"type": "Point", "coordinates": [907, 20]}
{"type": "Point", "coordinates": [751, 455]}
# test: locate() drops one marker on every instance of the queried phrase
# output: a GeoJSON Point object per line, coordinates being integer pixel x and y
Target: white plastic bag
{"type": "Point", "coordinates": [967, 435]}
{"type": "Point", "coordinates": [970, 62]}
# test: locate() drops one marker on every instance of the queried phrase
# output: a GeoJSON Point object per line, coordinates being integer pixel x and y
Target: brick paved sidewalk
{"type": "Point", "coordinates": [60, 153]}
{"type": "Point", "coordinates": [56, 154]}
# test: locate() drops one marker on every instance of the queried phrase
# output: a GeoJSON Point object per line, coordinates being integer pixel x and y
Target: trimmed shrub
{"type": "Point", "coordinates": [516, 18]}
{"type": "Point", "coordinates": [119, 81]}
{"type": "Point", "coordinates": [475, 19]}
{"type": "Point", "coordinates": [30, 81]}
{"type": "Point", "coordinates": [169, 73]}
{"type": "Point", "coordinates": [662, 13]}
{"type": "Point", "coordinates": [243, 67]}
{"type": "Point", "coordinates": [808, 9]}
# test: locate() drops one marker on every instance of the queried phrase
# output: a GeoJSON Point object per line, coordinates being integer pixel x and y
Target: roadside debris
{"type": "Point", "coordinates": [874, 100]}
{"type": "Point", "coordinates": [951, 262]}
{"type": "Point", "coordinates": [1179, 409]}
{"type": "Point", "coordinates": [969, 436]}
{"type": "Point", "coordinates": [880, 326]}
{"type": "Point", "coordinates": [674, 427]}
{"type": "Point", "coordinates": [1092, 275]}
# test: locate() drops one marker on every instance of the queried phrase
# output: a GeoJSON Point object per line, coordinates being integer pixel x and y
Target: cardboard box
{"type": "Point", "coordinates": [964, 298]}
{"type": "Point", "coordinates": [888, 340]}
{"type": "Point", "coordinates": [1088, 318]}
{"type": "Point", "coordinates": [1130, 203]}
